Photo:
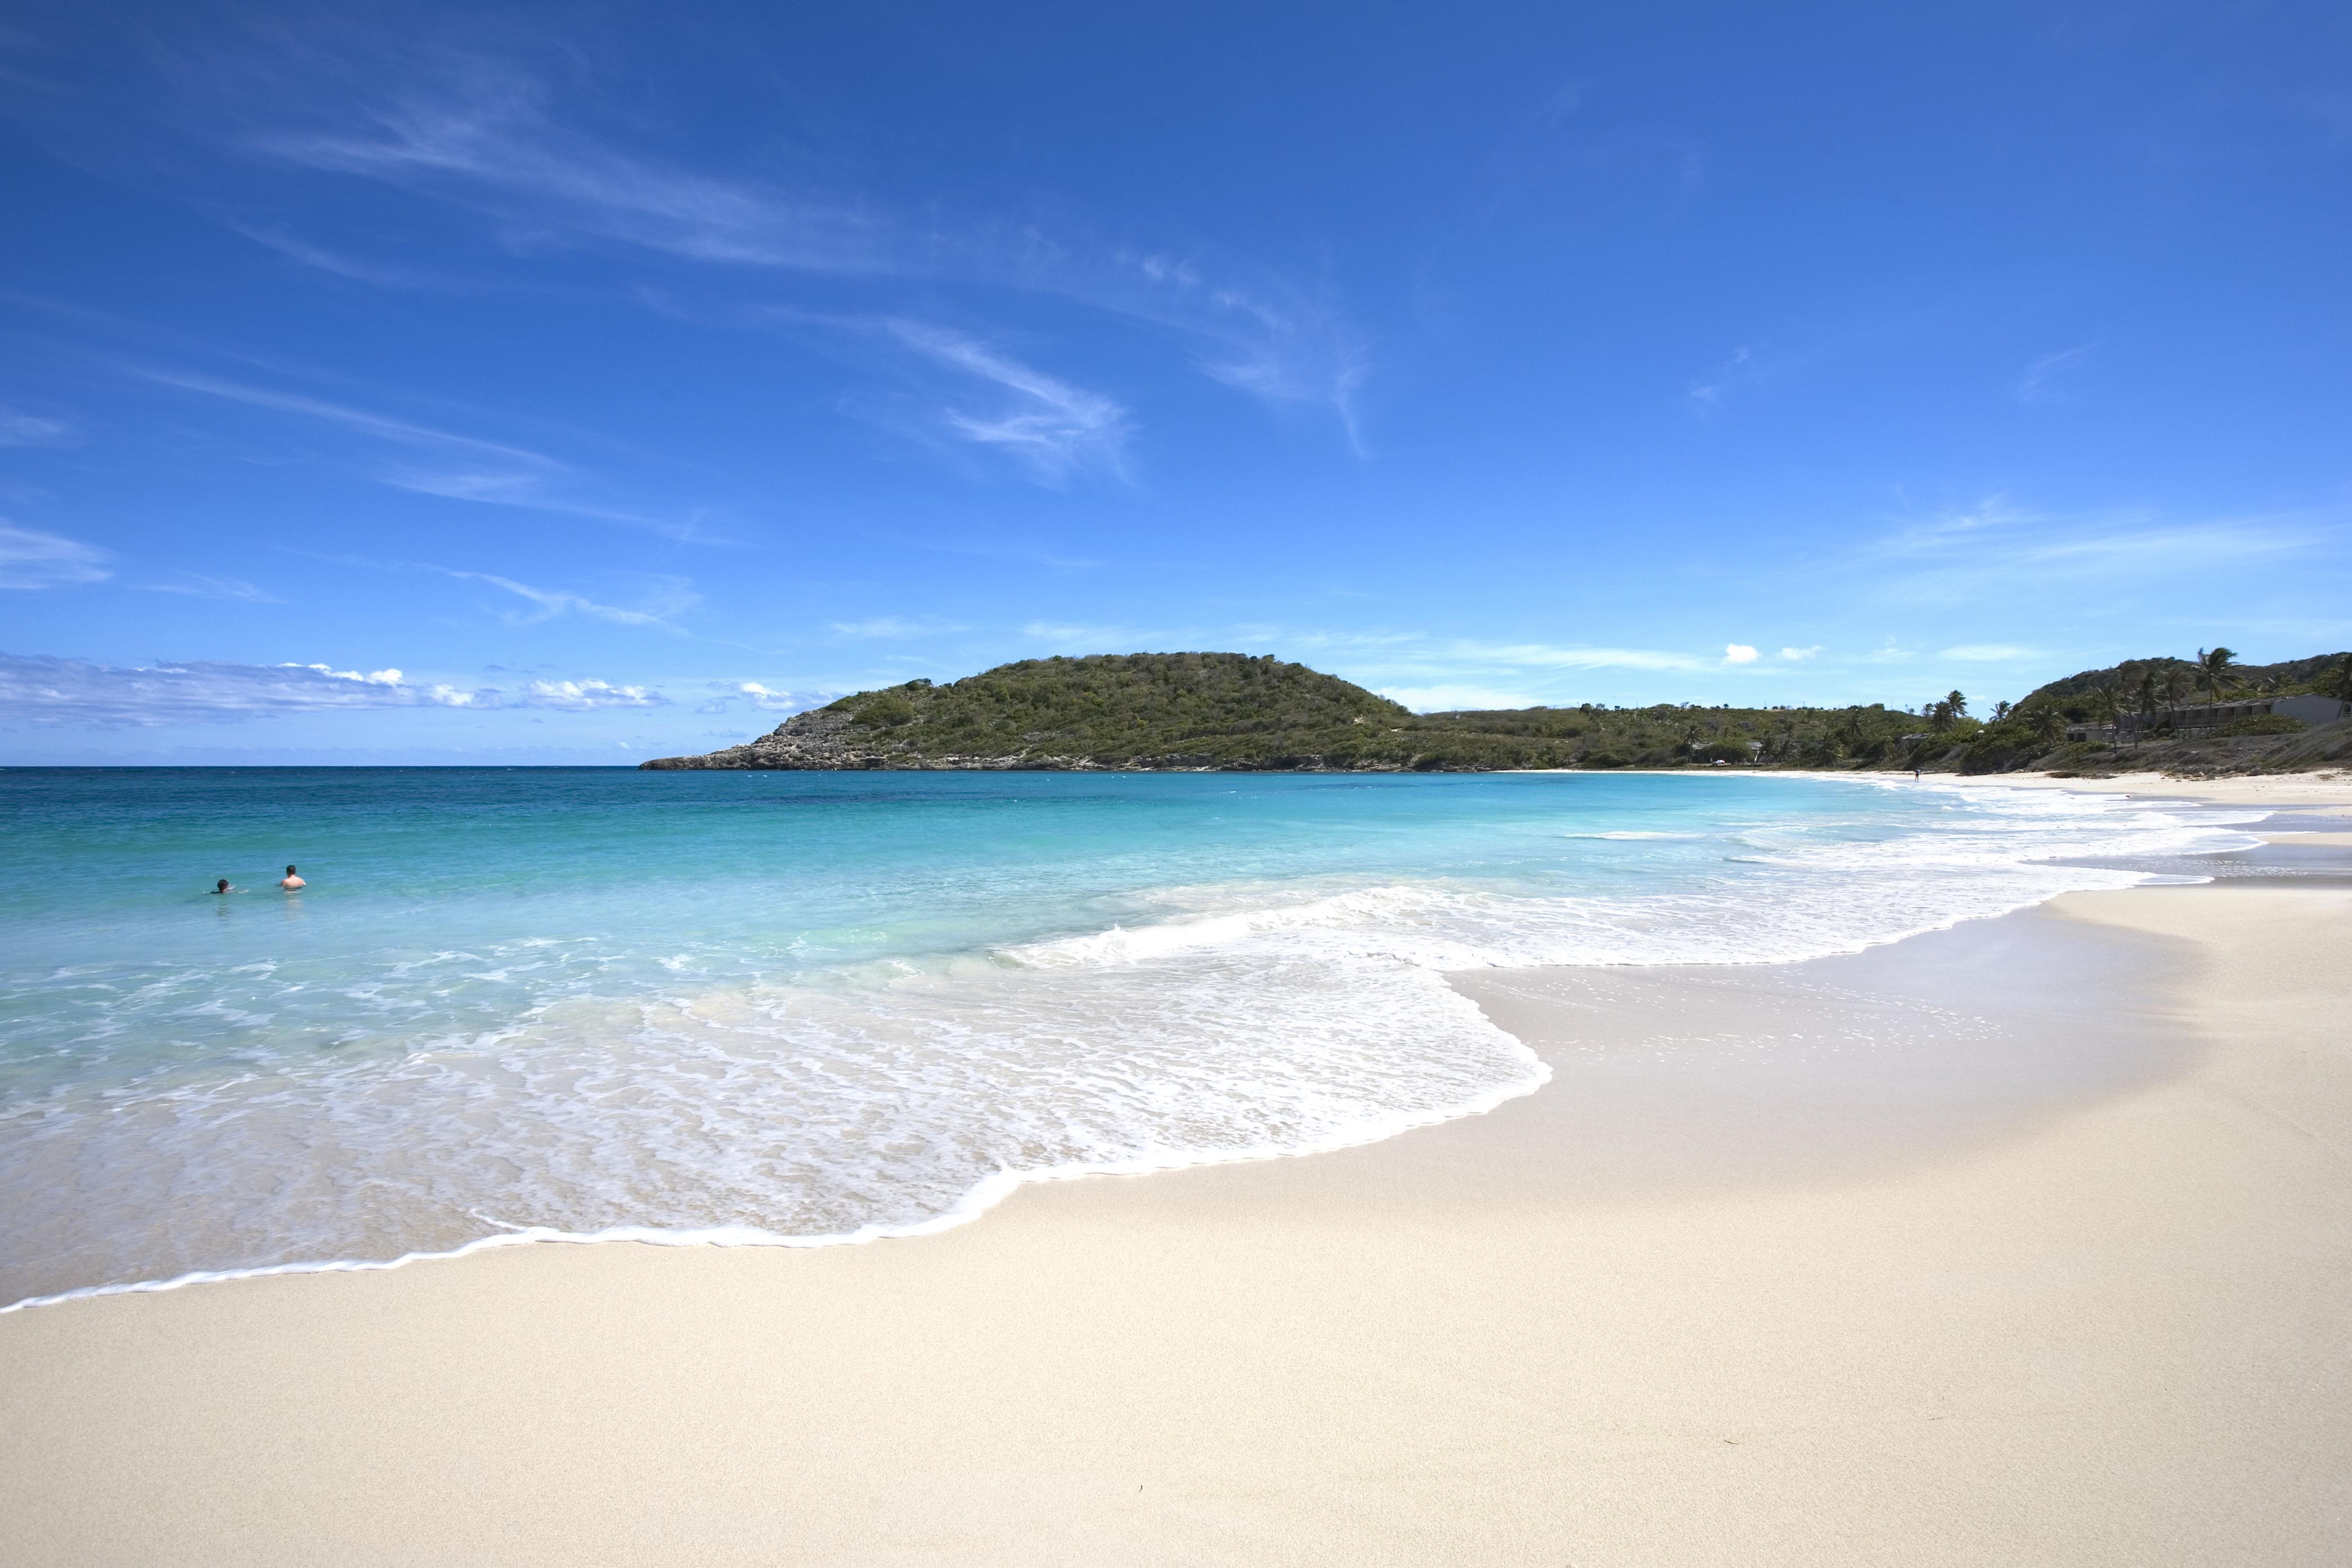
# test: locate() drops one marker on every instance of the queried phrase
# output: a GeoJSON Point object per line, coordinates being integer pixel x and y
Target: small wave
{"type": "Point", "coordinates": [907, 1093]}
{"type": "Point", "coordinates": [1632, 835]}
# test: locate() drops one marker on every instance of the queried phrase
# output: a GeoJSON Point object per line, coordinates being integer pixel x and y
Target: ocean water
{"type": "Point", "coordinates": [801, 1009]}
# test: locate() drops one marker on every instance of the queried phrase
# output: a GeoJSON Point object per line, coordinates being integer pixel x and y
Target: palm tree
{"type": "Point", "coordinates": [1959, 704]}
{"type": "Point", "coordinates": [2107, 709]}
{"type": "Point", "coordinates": [2175, 682]}
{"type": "Point", "coordinates": [2344, 680]}
{"type": "Point", "coordinates": [2214, 666]}
{"type": "Point", "coordinates": [2045, 724]}
{"type": "Point", "coordinates": [2002, 710]}
{"type": "Point", "coordinates": [2147, 698]}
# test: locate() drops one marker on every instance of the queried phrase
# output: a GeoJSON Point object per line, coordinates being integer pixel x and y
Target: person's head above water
{"type": "Point", "coordinates": [221, 886]}
{"type": "Point", "coordinates": [290, 882]}
{"type": "Point", "coordinates": [289, 870]}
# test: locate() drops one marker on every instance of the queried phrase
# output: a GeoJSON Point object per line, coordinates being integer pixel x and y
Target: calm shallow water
{"type": "Point", "coordinates": [766, 1007]}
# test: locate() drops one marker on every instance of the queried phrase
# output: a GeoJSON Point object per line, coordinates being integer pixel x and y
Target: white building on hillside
{"type": "Point", "coordinates": [2313, 711]}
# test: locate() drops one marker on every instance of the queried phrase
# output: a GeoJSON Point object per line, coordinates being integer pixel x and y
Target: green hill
{"type": "Point", "coordinates": [1233, 711]}
{"type": "Point", "coordinates": [2070, 694]}
{"type": "Point", "coordinates": [1125, 708]}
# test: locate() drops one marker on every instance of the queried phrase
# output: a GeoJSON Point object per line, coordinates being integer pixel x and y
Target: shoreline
{"type": "Point", "coordinates": [1481, 985]}
{"type": "Point", "coordinates": [1483, 1340]}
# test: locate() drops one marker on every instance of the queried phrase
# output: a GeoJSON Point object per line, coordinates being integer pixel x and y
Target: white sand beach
{"type": "Point", "coordinates": [2029, 1242]}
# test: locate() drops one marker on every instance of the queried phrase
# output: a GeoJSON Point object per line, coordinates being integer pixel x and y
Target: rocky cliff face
{"type": "Point", "coordinates": [826, 738]}
{"type": "Point", "coordinates": [833, 738]}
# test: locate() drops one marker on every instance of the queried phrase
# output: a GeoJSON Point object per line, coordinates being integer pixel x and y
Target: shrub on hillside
{"type": "Point", "coordinates": [2262, 724]}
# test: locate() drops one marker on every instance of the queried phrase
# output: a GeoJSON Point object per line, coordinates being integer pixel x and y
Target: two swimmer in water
{"type": "Point", "coordinates": [290, 883]}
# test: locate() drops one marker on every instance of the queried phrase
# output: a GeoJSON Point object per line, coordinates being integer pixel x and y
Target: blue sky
{"type": "Point", "coordinates": [580, 383]}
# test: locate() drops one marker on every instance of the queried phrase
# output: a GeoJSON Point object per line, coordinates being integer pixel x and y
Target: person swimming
{"type": "Point", "coordinates": [222, 887]}
{"type": "Point", "coordinates": [291, 882]}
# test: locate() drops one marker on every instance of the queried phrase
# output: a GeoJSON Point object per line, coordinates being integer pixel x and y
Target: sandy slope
{"type": "Point", "coordinates": [2332, 789]}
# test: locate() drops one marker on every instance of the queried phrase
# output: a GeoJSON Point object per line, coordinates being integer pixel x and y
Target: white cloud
{"type": "Point", "coordinates": [579, 697]}
{"type": "Point", "coordinates": [40, 690]}
{"type": "Point", "coordinates": [378, 678]}
{"type": "Point", "coordinates": [1795, 655]}
{"type": "Point", "coordinates": [20, 429]}
{"type": "Point", "coordinates": [1738, 654]}
{"type": "Point", "coordinates": [762, 699]}
{"type": "Point", "coordinates": [771, 700]}
{"type": "Point", "coordinates": [35, 689]}
{"type": "Point", "coordinates": [31, 559]}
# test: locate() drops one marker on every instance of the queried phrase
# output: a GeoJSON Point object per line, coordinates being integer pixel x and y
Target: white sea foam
{"type": "Point", "coordinates": [1255, 1019]}
{"type": "Point", "coordinates": [1630, 836]}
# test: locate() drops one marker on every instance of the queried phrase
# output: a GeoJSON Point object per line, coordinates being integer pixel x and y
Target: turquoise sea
{"type": "Point", "coordinates": [803, 1008]}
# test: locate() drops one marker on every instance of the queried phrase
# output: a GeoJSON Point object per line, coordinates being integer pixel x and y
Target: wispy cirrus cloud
{"type": "Point", "coordinates": [895, 626]}
{"type": "Point", "coordinates": [32, 558]}
{"type": "Point", "coordinates": [1049, 425]}
{"type": "Point", "coordinates": [40, 690]}
{"type": "Point", "coordinates": [1079, 637]}
{"type": "Point", "coordinates": [462, 467]}
{"type": "Point", "coordinates": [1278, 343]}
{"type": "Point", "coordinates": [671, 596]}
{"type": "Point", "coordinates": [295, 248]}
{"type": "Point", "coordinates": [495, 137]}
{"type": "Point", "coordinates": [1707, 391]}
{"type": "Point", "coordinates": [1999, 551]}
{"type": "Point", "coordinates": [383, 426]}
{"type": "Point", "coordinates": [18, 428]}
{"type": "Point", "coordinates": [2043, 381]}
{"type": "Point", "coordinates": [198, 585]}
{"type": "Point", "coordinates": [484, 133]}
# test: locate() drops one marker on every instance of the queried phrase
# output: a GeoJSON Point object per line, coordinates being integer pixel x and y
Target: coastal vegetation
{"type": "Point", "coordinates": [2125, 712]}
{"type": "Point", "coordinates": [1236, 711]}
